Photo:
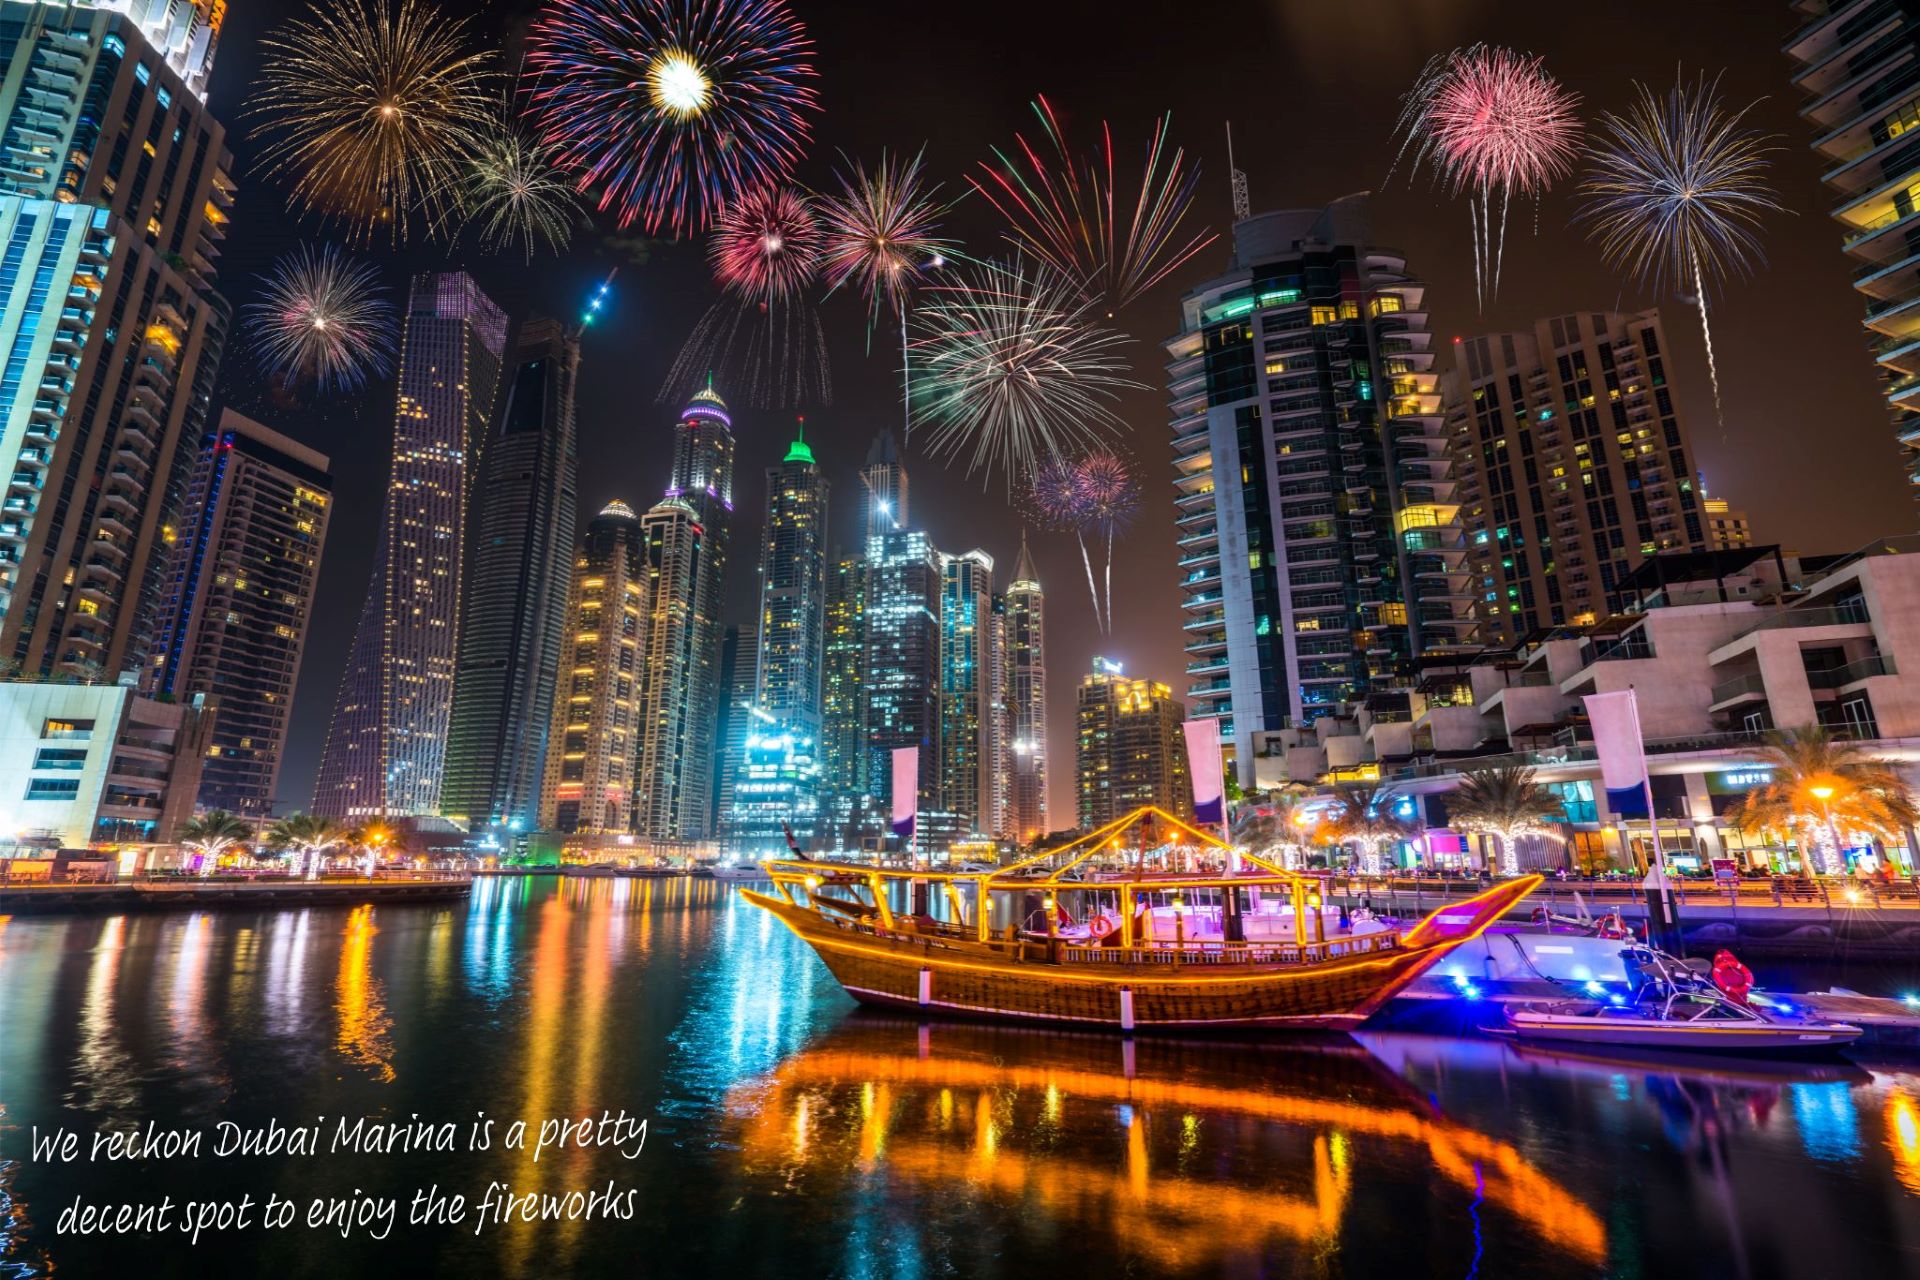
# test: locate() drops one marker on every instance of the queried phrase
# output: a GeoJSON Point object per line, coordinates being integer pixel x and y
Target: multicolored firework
{"type": "Point", "coordinates": [767, 246]}
{"type": "Point", "coordinates": [1010, 370]}
{"type": "Point", "coordinates": [373, 114]}
{"type": "Point", "coordinates": [1064, 210]}
{"type": "Point", "coordinates": [1097, 496]}
{"type": "Point", "coordinates": [672, 109]}
{"type": "Point", "coordinates": [515, 195]}
{"type": "Point", "coordinates": [1676, 193]}
{"type": "Point", "coordinates": [882, 232]}
{"type": "Point", "coordinates": [324, 317]}
{"type": "Point", "coordinates": [1493, 124]}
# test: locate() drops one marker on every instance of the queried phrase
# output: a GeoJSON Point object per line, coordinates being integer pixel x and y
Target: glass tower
{"type": "Point", "coordinates": [969, 743]}
{"type": "Point", "coordinates": [1318, 532]}
{"type": "Point", "coordinates": [239, 601]}
{"type": "Point", "coordinates": [1025, 660]}
{"type": "Point", "coordinates": [100, 109]}
{"type": "Point", "coordinates": [386, 747]}
{"type": "Point", "coordinates": [514, 599]}
{"type": "Point", "coordinates": [686, 535]}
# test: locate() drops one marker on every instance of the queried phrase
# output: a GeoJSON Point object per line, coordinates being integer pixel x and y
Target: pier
{"type": "Point", "coordinates": [200, 894]}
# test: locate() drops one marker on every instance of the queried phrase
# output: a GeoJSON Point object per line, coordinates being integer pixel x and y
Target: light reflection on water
{"type": "Point", "coordinates": [790, 1136]}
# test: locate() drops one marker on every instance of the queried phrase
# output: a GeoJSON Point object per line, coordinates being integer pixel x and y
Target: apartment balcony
{"type": "Point", "coordinates": [1207, 643]}
{"type": "Point", "coordinates": [1739, 691]}
{"type": "Point", "coordinates": [1209, 534]}
{"type": "Point", "coordinates": [1210, 688]}
{"type": "Point", "coordinates": [1205, 622]}
{"type": "Point", "coordinates": [1836, 101]}
{"type": "Point", "coordinates": [1852, 673]}
{"type": "Point", "coordinates": [1200, 600]}
{"type": "Point", "coordinates": [1207, 666]}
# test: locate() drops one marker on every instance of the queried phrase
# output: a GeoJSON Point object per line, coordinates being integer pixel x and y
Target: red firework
{"type": "Point", "coordinates": [767, 245]}
{"type": "Point", "coordinates": [1498, 120]}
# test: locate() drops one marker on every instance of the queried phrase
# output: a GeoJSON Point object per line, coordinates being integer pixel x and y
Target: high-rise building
{"type": "Point", "coordinates": [1574, 465]}
{"type": "Point", "coordinates": [884, 477]}
{"type": "Point", "coordinates": [588, 786]}
{"type": "Point", "coordinates": [513, 606]}
{"type": "Point", "coordinates": [686, 548]}
{"type": "Point", "coordinates": [386, 747]}
{"type": "Point", "coordinates": [1854, 62]}
{"type": "Point", "coordinates": [1129, 750]}
{"type": "Point", "coordinates": [843, 754]}
{"type": "Point", "coordinates": [1728, 528]}
{"type": "Point", "coordinates": [1025, 658]}
{"type": "Point", "coordinates": [739, 670]}
{"type": "Point", "coordinates": [239, 601]}
{"type": "Point", "coordinates": [94, 115]}
{"type": "Point", "coordinates": [969, 745]}
{"type": "Point", "coordinates": [793, 593]}
{"type": "Point", "coordinates": [902, 660]}
{"type": "Point", "coordinates": [1320, 550]}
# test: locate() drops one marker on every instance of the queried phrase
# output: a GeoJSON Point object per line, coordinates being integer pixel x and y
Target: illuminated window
{"type": "Point", "coordinates": [1387, 304]}
{"type": "Point", "coordinates": [1324, 315]}
{"type": "Point", "coordinates": [1349, 311]}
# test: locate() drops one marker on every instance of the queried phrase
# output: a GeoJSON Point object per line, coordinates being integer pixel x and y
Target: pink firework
{"type": "Point", "coordinates": [882, 231]}
{"type": "Point", "coordinates": [1109, 493]}
{"type": "Point", "coordinates": [767, 245]}
{"type": "Point", "coordinates": [1493, 124]}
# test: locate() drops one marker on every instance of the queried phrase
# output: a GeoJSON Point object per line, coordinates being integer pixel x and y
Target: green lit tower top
{"type": "Point", "coordinates": [793, 590]}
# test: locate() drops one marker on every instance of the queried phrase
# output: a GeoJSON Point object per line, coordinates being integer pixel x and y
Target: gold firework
{"type": "Point", "coordinates": [516, 195]}
{"type": "Point", "coordinates": [373, 113]}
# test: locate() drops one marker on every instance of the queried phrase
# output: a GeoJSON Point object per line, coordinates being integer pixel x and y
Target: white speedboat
{"type": "Point", "coordinates": [743, 873]}
{"type": "Point", "coordinates": [1671, 1006]}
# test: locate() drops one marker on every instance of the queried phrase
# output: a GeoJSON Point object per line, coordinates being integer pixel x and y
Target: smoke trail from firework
{"type": "Point", "coordinates": [1493, 124]}
{"type": "Point", "coordinates": [882, 236]}
{"type": "Point", "coordinates": [1010, 369]}
{"type": "Point", "coordinates": [1676, 194]}
{"type": "Point", "coordinates": [373, 114]}
{"type": "Point", "coordinates": [673, 109]}
{"type": "Point", "coordinates": [322, 317]}
{"type": "Point", "coordinates": [1067, 210]}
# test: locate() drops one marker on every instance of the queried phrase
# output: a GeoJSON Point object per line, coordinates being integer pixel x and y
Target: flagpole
{"type": "Point", "coordinates": [1659, 867]}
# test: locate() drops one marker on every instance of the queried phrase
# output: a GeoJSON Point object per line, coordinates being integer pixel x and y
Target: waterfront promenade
{"type": "Point", "coordinates": [163, 893]}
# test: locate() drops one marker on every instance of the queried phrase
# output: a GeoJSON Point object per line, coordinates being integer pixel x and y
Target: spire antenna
{"type": "Point", "coordinates": [1242, 205]}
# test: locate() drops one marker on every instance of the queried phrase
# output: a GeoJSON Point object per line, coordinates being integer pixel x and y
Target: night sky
{"type": "Point", "coordinates": [1311, 88]}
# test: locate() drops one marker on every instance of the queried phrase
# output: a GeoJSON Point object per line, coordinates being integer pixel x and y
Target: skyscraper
{"type": "Point", "coordinates": [1574, 466]}
{"type": "Point", "coordinates": [95, 116]}
{"type": "Point", "coordinates": [1727, 526]}
{"type": "Point", "coordinates": [1854, 61]}
{"type": "Point", "coordinates": [686, 549]}
{"type": "Point", "coordinates": [969, 743]}
{"type": "Point", "coordinates": [519, 569]}
{"type": "Point", "coordinates": [387, 744]}
{"type": "Point", "coordinates": [899, 665]}
{"type": "Point", "coordinates": [1128, 748]}
{"type": "Point", "coordinates": [739, 670]}
{"type": "Point", "coordinates": [793, 593]}
{"type": "Point", "coordinates": [588, 785]}
{"type": "Point", "coordinates": [1319, 542]}
{"type": "Point", "coordinates": [1025, 659]}
{"type": "Point", "coordinates": [843, 755]}
{"type": "Point", "coordinates": [239, 601]}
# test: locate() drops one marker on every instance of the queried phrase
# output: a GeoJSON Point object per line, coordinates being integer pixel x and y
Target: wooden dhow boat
{"type": "Point", "coordinates": [1147, 923]}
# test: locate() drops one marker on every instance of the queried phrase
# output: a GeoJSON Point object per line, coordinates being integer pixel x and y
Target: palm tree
{"type": "Point", "coordinates": [1509, 805]}
{"type": "Point", "coordinates": [1278, 820]}
{"type": "Point", "coordinates": [307, 834]}
{"type": "Point", "coordinates": [1366, 814]}
{"type": "Point", "coordinates": [1820, 786]}
{"type": "Point", "coordinates": [212, 834]}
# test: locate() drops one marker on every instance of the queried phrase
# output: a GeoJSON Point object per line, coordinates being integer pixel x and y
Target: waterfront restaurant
{"type": "Point", "coordinates": [1719, 647]}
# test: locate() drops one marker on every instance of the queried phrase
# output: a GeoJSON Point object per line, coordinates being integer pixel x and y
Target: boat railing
{"type": "Point", "coordinates": [1236, 953]}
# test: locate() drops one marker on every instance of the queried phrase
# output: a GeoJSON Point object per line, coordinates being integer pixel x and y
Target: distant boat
{"type": "Point", "coordinates": [745, 872]}
{"type": "Point", "coordinates": [1144, 924]}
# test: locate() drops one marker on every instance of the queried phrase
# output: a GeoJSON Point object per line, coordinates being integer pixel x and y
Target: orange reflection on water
{"type": "Point", "coordinates": [364, 1036]}
{"type": "Point", "coordinates": [1903, 1136]}
{"type": "Point", "coordinates": [874, 1097]}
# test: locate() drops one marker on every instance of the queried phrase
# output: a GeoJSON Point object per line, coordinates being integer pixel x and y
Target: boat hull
{"type": "Point", "coordinates": [1638, 1034]}
{"type": "Point", "coordinates": [897, 972]}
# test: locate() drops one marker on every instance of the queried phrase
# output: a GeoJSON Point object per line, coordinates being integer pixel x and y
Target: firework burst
{"type": "Point", "coordinates": [515, 195]}
{"type": "Point", "coordinates": [882, 232]}
{"type": "Point", "coordinates": [766, 246]}
{"type": "Point", "coordinates": [673, 108]}
{"type": "Point", "coordinates": [1493, 124]}
{"type": "Point", "coordinates": [1096, 497]}
{"type": "Point", "coordinates": [1010, 369]}
{"type": "Point", "coordinates": [372, 114]}
{"type": "Point", "coordinates": [1676, 193]}
{"type": "Point", "coordinates": [1067, 210]}
{"type": "Point", "coordinates": [324, 317]}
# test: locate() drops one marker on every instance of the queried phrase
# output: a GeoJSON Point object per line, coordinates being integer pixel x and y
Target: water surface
{"type": "Point", "coordinates": [790, 1135]}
